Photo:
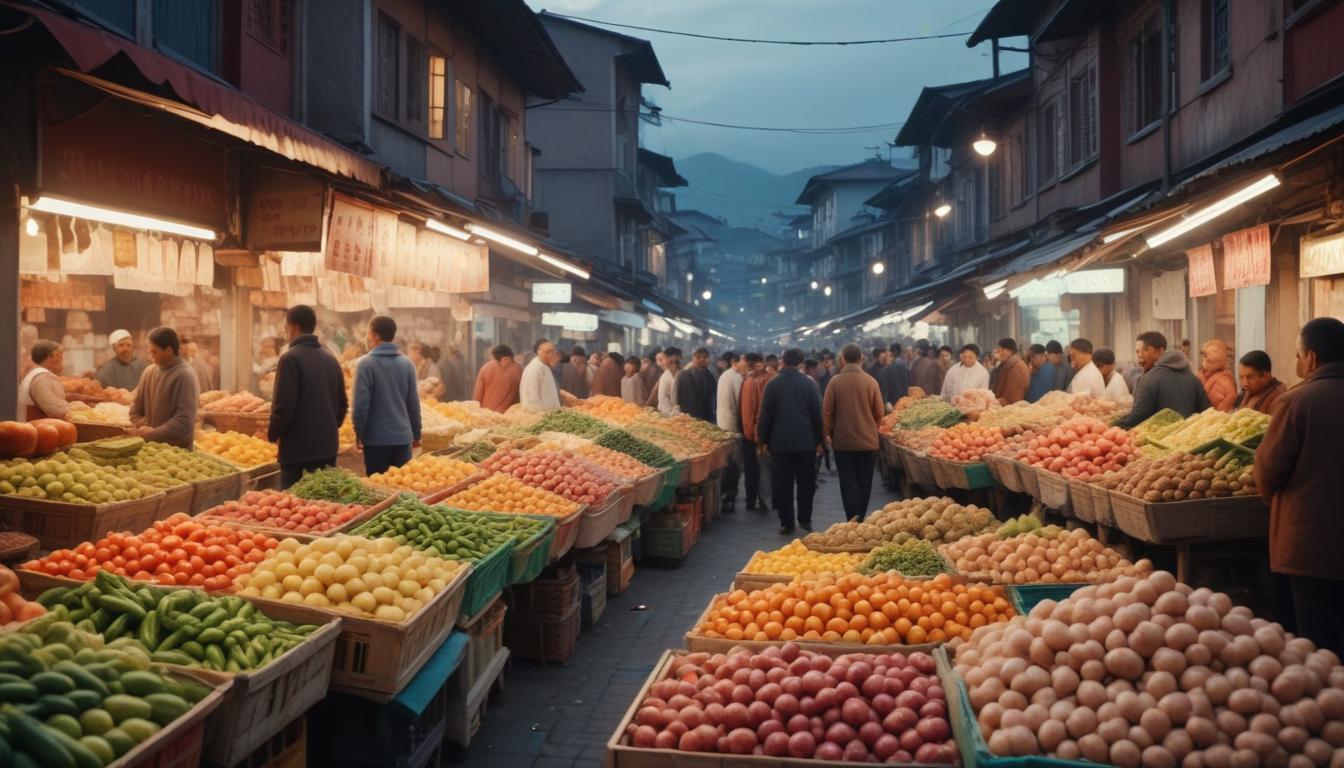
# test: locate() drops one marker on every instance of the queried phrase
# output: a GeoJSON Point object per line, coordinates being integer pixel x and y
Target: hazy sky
{"type": "Point", "coordinates": [794, 86]}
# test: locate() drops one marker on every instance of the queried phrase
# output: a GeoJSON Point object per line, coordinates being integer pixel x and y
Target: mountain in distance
{"type": "Point", "coordinates": [743, 194]}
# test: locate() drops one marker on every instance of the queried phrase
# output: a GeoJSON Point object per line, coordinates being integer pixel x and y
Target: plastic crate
{"type": "Point", "coordinates": [544, 640]}
{"type": "Point", "coordinates": [672, 543]}
{"type": "Point", "coordinates": [286, 749]}
{"type": "Point", "coordinates": [529, 557]}
{"type": "Point", "coordinates": [485, 637]}
{"type": "Point", "coordinates": [362, 734]}
{"type": "Point", "coordinates": [1026, 596]}
{"type": "Point", "coordinates": [488, 578]}
{"type": "Point", "coordinates": [594, 578]}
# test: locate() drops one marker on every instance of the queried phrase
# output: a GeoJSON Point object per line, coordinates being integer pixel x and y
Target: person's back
{"type": "Point", "coordinates": [387, 402]}
{"type": "Point", "coordinates": [895, 380]}
{"type": "Point", "coordinates": [1175, 385]}
{"type": "Point", "coordinates": [310, 401]}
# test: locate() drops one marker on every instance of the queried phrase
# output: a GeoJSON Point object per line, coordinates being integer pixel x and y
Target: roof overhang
{"type": "Point", "coordinates": [663, 168]}
{"type": "Point", "coordinates": [520, 45]}
{"type": "Point", "coordinates": [639, 55]}
{"type": "Point", "coordinates": [1007, 18]}
{"type": "Point", "coordinates": [946, 115]}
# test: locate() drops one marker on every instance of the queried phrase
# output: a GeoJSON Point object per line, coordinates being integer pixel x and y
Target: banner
{"type": "Point", "coordinates": [350, 238]}
{"type": "Point", "coordinates": [1246, 257]}
{"type": "Point", "coordinates": [1322, 256]}
{"type": "Point", "coordinates": [1169, 296]}
{"type": "Point", "coordinates": [1203, 279]}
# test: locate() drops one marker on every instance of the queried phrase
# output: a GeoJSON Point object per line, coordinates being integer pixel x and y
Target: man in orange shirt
{"type": "Point", "coordinates": [497, 382]}
{"type": "Point", "coordinates": [755, 465]}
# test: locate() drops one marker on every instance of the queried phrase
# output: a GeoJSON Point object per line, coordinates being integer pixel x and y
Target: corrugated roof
{"type": "Point", "coordinates": [868, 170]}
{"type": "Point", "coordinates": [520, 45]}
{"type": "Point", "coordinates": [641, 58]}
{"type": "Point", "coordinates": [928, 117]}
{"type": "Point", "coordinates": [1047, 253]}
{"type": "Point", "coordinates": [663, 167]}
{"type": "Point", "coordinates": [1300, 131]}
{"type": "Point", "coordinates": [1007, 18]}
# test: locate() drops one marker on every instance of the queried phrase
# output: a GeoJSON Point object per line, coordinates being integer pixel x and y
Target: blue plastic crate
{"type": "Point", "coordinates": [1026, 596]}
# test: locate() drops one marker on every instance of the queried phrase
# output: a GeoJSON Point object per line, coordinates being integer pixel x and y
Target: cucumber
{"type": "Point", "coordinates": [166, 707]}
{"type": "Point", "coordinates": [120, 741]}
{"type": "Point", "coordinates": [78, 752]}
{"type": "Point", "coordinates": [139, 728]}
{"type": "Point", "coordinates": [96, 721]}
{"type": "Point", "coordinates": [84, 699]}
{"type": "Point", "coordinates": [99, 747]}
{"type": "Point", "coordinates": [123, 708]}
{"type": "Point", "coordinates": [66, 724]}
{"type": "Point", "coordinates": [40, 742]}
{"type": "Point", "coordinates": [52, 682]}
{"type": "Point", "coordinates": [141, 683]}
{"type": "Point", "coordinates": [81, 677]}
{"type": "Point", "coordinates": [18, 693]}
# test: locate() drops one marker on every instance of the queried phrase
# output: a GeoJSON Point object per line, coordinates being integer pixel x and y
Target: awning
{"type": "Point", "coordinates": [1048, 253]}
{"type": "Point", "coordinates": [203, 100]}
{"type": "Point", "coordinates": [634, 208]}
{"type": "Point", "coordinates": [1297, 132]}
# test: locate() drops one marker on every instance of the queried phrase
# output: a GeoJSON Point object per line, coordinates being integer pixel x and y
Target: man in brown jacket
{"type": "Point", "coordinates": [1012, 377]}
{"type": "Point", "coordinates": [1297, 471]}
{"type": "Point", "coordinates": [850, 414]}
{"type": "Point", "coordinates": [607, 380]}
{"type": "Point", "coordinates": [757, 473]}
{"type": "Point", "coordinates": [1259, 389]}
{"type": "Point", "coordinates": [165, 402]}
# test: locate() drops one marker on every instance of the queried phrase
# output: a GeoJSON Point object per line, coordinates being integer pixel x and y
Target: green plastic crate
{"type": "Point", "coordinates": [1026, 596]}
{"type": "Point", "coordinates": [974, 751]}
{"type": "Point", "coordinates": [489, 576]}
{"type": "Point", "coordinates": [530, 557]}
{"type": "Point", "coordinates": [978, 476]}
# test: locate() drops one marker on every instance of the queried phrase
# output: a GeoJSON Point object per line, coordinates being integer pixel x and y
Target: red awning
{"type": "Point", "coordinates": [216, 105]}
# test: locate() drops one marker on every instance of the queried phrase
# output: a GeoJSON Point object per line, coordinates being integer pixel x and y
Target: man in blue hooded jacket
{"type": "Point", "coordinates": [387, 405]}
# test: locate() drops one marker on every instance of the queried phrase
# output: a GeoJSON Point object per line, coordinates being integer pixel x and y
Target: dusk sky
{"type": "Point", "coordinates": [794, 86]}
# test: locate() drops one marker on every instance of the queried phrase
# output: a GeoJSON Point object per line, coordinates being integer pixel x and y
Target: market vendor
{"type": "Point", "coordinates": [1259, 388]}
{"type": "Point", "coordinates": [41, 394]}
{"type": "Point", "coordinates": [537, 390]}
{"type": "Point", "coordinates": [124, 370]}
{"type": "Point", "coordinates": [1215, 376]}
{"type": "Point", "coordinates": [1167, 382]}
{"type": "Point", "coordinates": [167, 395]}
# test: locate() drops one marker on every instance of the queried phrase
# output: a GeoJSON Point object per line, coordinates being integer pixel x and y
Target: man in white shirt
{"type": "Point", "coordinates": [667, 387]}
{"type": "Point", "coordinates": [1087, 380]}
{"type": "Point", "coordinates": [537, 390]}
{"type": "Point", "coordinates": [728, 416]}
{"type": "Point", "coordinates": [968, 373]}
{"type": "Point", "coordinates": [1116, 388]}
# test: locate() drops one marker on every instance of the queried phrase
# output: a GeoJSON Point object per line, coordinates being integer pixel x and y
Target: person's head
{"type": "Point", "coordinates": [700, 357]}
{"type": "Point", "coordinates": [49, 355]}
{"type": "Point", "coordinates": [1104, 359]}
{"type": "Point", "coordinates": [631, 365]}
{"type": "Point", "coordinates": [123, 346]}
{"type": "Point", "coordinates": [922, 348]}
{"type": "Point", "coordinates": [1321, 342]}
{"type": "Point", "coordinates": [877, 354]}
{"type": "Point", "coordinates": [945, 353]}
{"type": "Point", "coordinates": [671, 358]}
{"type": "Point", "coordinates": [1036, 356]}
{"type": "Point", "coordinates": [1080, 353]}
{"type": "Point", "coordinates": [382, 330]}
{"type": "Point", "coordinates": [502, 354]}
{"type": "Point", "coordinates": [1255, 371]}
{"type": "Point", "coordinates": [771, 363]}
{"type": "Point", "coordinates": [545, 351]}
{"type": "Point", "coordinates": [578, 356]}
{"type": "Point", "coordinates": [727, 360]}
{"type": "Point", "coordinates": [1148, 347]}
{"type": "Point", "coordinates": [793, 357]}
{"type": "Point", "coordinates": [895, 350]}
{"type": "Point", "coordinates": [851, 354]}
{"type": "Point", "coordinates": [164, 346]}
{"type": "Point", "coordinates": [1185, 347]}
{"type": "Point", "coordinates": [595, 359]}
{"type": "Point", "coordinates": [1054, 352]}
{"type": "Point", "coordinates": [970, 355]}
{"type": "Point", "coordinates": [1007, 348]}
{"type": "Point", "coordinates": [1213, 356]}
{"type": "Point", "coordinates": [617, 358]}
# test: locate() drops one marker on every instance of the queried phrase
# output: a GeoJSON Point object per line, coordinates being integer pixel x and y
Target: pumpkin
{"type": "Point", "coordinates": [68, 433]}
{"type": "Point", "coordinates": [48, 437]}
{"type": "Point", "coordinates": [17, 439]}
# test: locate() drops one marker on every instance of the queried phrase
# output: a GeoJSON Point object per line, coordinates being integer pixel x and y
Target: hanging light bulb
{"type": "Point", "coordinates": [814, 285]}
{"type": "Point", "coordinates": [781, 309]}
{"type": "Point", "coordinates": [762, 281]}
{"type": "Point", "coordinates": [879, 267]}
{"type": "Point", "coordinates": [826, 290]}
{"type": "Point", "coordinates": [690, 275]}
{"type": "Point", "coordinates": [942, 210]}
{"type": "Point", "coordinates": [31, 227]}
{"type": "Point", "coordinates": [984, 145]}
{"type": "Point", "coordinates": [707, 295]}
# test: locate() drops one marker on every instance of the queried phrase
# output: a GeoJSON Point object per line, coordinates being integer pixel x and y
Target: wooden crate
{"type": "Point", "coordinates": [216, 491]}
{"type": "Point", "coordinates": [753, 581]}
{"type": "Point", "coordinates": [246, 423]}
{"type": "Point", "coordinates": [263, 477]}
{"type": "Point", "coordinates": [697, 642]}
{"type": "Point", "coordinates": [177, 499]}
{"type": "Point", "coordinates": [286, 749]}
{"type": "Point", "coordinates": [548, 640]}
{"type": "Point", "coordinates": [376, 659]}
{"type": "Point", "coordinates": [280, 533]}
{"type": "Point", "coordinates": [60, 524]}
{"type": "Point", "coordinates": [1101, 505]}
{"type": "Point", "coordinates": [180, 743]}
{"type": "Point", "coordinates": [485, 639]}
{"type": "Point", "coordinates": [621, 754]}
{"type": "Point", "coordinates": [1080, 497]}
{"type": "Point", "coordinates": [463, 711]}
{"type": "Point", "coordinates": [1234, 517]}
{"type": "Point", "coordinates": [594, 577]}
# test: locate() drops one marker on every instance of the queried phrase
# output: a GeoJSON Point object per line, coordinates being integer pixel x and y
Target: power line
{"type": "Point", "coordinates": [818, 131]}
{"type": "Point", "coordinates": [722, 38]}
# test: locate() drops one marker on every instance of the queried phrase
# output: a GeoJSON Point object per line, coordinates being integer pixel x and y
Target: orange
{"type": "Point", "coordinates": [837, 625]}
{"type": "Point", "coordinates": [859, 621]}
{"type": "Point", "coordinates": [773, 630]}
{"type": "Point", "coordinates": [863, 606]}
{"type": "Point", "coordinates": [878, 620]}
{"type": "Point", "coordinates": [852, 636]}
{"type": "Point", "coordinates": [916, 636]}
{"type": "Point", "coordinates": [815, 624]}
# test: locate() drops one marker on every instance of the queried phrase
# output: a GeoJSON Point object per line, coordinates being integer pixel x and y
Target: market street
{"type": "Point", "coordinates": [550, 716]}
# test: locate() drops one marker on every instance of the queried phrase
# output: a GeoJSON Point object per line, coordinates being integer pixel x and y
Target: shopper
{"type": "Point", "coordinates": [594, 363]}
{"type": "Point", "coordinates": [632, 383]}
{"type": "Point", "coordinates": [923, 369]}
{"type": "Point", "coordinates": [418, 354]}
{"type": "Point", "coordinates": [968, 373]}
{"type": "Point", "coordinates": [827, 370]}
{"type": "Point", "coordinates": [499, 380]}
{"type": "Point", "coordinates": [453, 373]}
{"type": "Point", "coordinates": [1087, 380]}
{"type": "Point", "coordinates": [1054, 352]}
{"type": "Point", "coordinates": [1013, 379]}
{"type": "Point", "coordinates": [309, 403]}
{"type": "Point", "coordinates": [1297, 471]}
{"type": "Point", "coordinates": [387, 404]}
{"type": "Point", "coordinates": [123, 371]}
{"type": "Point", "coordinates": [1167, 382]}
{"type": "Point", "coordinates": [1116, 388]}
{"type": "Point", "coordinates": [1185, 348]}
{"type": "Point", "coordinates": [1215, 375]}
{"type": "Point", "coordinates": [650, 372]}
{"type": "Point", "coordinates": [728, 415]}
{"type": "Point", "coordinates": [895, 381]}
{"type": "Point", "coordinates": [945, 363]}
{"type": "Point", "coordinates": [1042, 373]}
{"type": "Point", "coordinates": [851, 412]}
{"type": "Point", "coordinates": [667, 389]}
{"type": "Point", "coordinates": [1259, 388]}
{"type": "Point", "coordinates": [790, 427]}
{"type": "Point", "coordinates": [757, 485]}
{"type": "Point", "coordinates": [574, 375]}
{"type": "Point", "coordinates": [167, 397]}
{"type": "Point", "coordinates": [607, 380]}
{"type": "Point", "coordinates": [41, 393]}
{"type": "Point", "coordinates": [876, 364]}
{"type": "Point", "coordinates": [697, 389]}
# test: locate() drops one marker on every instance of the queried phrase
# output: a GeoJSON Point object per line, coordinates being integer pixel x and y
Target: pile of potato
{"type": "Point", "coordinates": [1040, 557]}
{"type": "Point", "coordinates": [1182, 476]}
{"type": "Point", "coordinates": [935, 519]}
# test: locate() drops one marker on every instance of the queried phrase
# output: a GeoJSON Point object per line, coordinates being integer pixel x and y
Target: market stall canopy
{"type": "Point", "coordinates": [199, 98]}
{"type": "Point", "coordinates": [1327, 122]}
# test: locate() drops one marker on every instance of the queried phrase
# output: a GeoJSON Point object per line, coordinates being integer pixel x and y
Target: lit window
{"type": "Point", "coordinates": [437, 79]}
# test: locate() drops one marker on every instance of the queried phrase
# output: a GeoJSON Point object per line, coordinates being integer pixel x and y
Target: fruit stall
{"type": "Point", "coordinates": [175, 607]}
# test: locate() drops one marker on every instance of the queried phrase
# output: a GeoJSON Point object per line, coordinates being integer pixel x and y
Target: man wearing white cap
{"type": "Point", "coordinates": [124, 369]}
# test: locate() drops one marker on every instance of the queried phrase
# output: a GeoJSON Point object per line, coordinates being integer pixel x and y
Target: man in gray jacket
{"type": "Point", "coordinates": [1167, 382]}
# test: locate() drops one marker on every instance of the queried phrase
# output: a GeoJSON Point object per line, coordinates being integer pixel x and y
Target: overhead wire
{"type": "Point", "coordinates": [760, 41]}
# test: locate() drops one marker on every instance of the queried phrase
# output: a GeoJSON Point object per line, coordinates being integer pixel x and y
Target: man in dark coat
{"type": "Point", "coordinates": [1167, 382]}
{"type": "Point", "coordinates": [924, 369]}
{"type": "Point", "coordinates": [309, 403]}
{"type": "Point", "coordinates": [895, 378]}
{"type": "Point", "coordinates": [790, 426]}
{"type": "Point", "coordinates": [696, 389]}
{"type": "Point", "coordinates": [1297, 471]}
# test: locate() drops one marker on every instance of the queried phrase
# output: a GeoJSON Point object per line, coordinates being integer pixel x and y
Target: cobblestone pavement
{"type": "Point", "coordinates": [558, 716]}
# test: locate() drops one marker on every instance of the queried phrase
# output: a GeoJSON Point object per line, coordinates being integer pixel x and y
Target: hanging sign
{"type": "Point", "coordinates": [552, 293]}
{"type": "Point", "coordinates": [1203, 279]}
{"type": "Point", "coordinates": [1169, 296]}
{"type": "Point", "coordinates": [1322, 256]}
{"type": "Point", "coordinates": [384, 245]}
{"type": "Point", "coordinates": [1246, 257]}
{"type": "Point", "coordinates": [583, 322]}
{"type": "Point", "coordinates": [350, 237]}
{"type": "Point", "coordinates": [123, 247]}
{"type": "Point", "coordinates": [282, 211]}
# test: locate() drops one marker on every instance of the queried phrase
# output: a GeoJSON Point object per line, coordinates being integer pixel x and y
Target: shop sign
{"type": "Point", "coordinates": [582, 322]}
{"type": "Point", "coordinates": [385, 224]}
{"type": "Point", "coordinates": [1169, 296]}
{"type": "Point", "coordinates": [350, 237]}
{"type": "Point", "coordinates": [452, 266]}
{"type": "Point", "coordinates": [658, 324]}
{"type": "Point", "coordinates": [1095, 281]}
{"type": "Point", "coordinates": [1322, 256]}
{"type": "Point", "coordinates": [552, 293]}
{"type": "Point", "coordinates": [1246, 257]}
{"type": "Point", "coordinates": [1203, 278]}
{"type": "Point", "coordinates": [282, 212]}
{"type": "Point", "coordinates": [621, 317]}
{"type": "Point", "coordinates": [112, 156]}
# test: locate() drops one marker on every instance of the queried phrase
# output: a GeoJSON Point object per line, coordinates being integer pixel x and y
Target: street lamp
{"type": "Point", "coordinates": [827, 290]}
{"type": "Point", "coordinates": [690, 275]}
{"type": "Point", "coordinates": [984, 146]}
{"type": "Point", "coordinates": [762, 281]}
{"type": "Point", "coordinates": [781, 309]}
{"type": "Point", "coordinates": [942, 210]}
{"type": "Point", "coordinates": [879, 267]}
{"type": "Point", "coordinates": [707, 295]}
{"type": "Point", "coordinates": [814, 285]}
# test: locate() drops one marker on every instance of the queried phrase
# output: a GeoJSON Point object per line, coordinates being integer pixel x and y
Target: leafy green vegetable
{"type": "Point", "coordinates": [915, 557]}
{"type": "Point", "coordinates": [641, 450]}
{"type": "Point", "coordinates": [337, 485]}
{"type": "Point", "coordinates": [570, 422]}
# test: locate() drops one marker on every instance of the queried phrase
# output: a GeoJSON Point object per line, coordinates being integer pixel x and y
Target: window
{"type": "Point", "coordinates": [489, 133]}
{"type": "Point", "coordinates": [1048, 129]}
{"type": "Point", "coordinates": [438, 79]}
{"type": "Point", "coordinates": [1019, 174]}
{"type": "Point", "coordinates": [964, 226]}
{"type": "Point", "coordinates": [1083, 115]}
{"type": "Point", "coordinates": [462, 115]}
{"type": "Point", "coordinates": [415, 81]}
{"type": "Point", "coordinates": [515, 155]}
{"type": "Point", "coordinates": [189, 29]}
{"type": "Point", "coordinates": [1217, 55]}
{"type": "Point", "coordinates": [116, 13]}
{"type": "Point", "coordinates": [387, 59]}
{"type": "Point", "coordinates": [1144, 66]}
{"type": "Point", "coordinates": [268, 23]}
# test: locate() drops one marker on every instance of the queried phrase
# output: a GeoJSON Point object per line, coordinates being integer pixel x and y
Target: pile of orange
{"type": "Point", "coordinates": [503, 493]}
{"type": "Point", "coordinates": [882, 609]}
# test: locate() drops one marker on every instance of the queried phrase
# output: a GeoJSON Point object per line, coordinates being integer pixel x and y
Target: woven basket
{"type": "Point", "coordinates": [1236, 517]}
{"type": "Point", "coordinates": [246, 423]}
{"type": "Point", "coordinates": [1005, 472]}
